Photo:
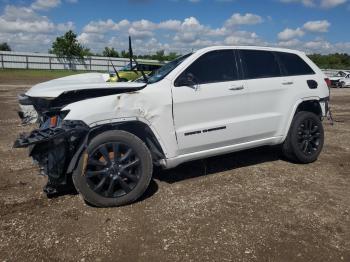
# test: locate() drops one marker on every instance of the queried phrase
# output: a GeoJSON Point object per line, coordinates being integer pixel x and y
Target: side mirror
{"type": "Point", "coordinates": [187, 79]}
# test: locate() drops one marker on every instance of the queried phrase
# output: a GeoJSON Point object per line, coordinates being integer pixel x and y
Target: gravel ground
{"type": "Point", "coordinates": [247, 206]}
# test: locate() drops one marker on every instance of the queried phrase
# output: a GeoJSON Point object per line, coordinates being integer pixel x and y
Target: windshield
{"type": "Point", "coordinates": [160, 73]}
{"type": "Point", "coordinates": [340, 74]}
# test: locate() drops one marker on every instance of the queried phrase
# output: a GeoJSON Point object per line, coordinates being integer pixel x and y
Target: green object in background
{"type": "Point", "coordinates": [127, 74]}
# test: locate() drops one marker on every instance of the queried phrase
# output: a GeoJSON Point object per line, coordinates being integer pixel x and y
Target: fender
{"type": "Point", "coordinates": [115, 124]}
{"type": "Point", "coordinates": [119, 121]}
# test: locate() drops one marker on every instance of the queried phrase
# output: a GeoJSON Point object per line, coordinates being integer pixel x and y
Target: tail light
{"type": "Point", "coordinates": [328, 82]}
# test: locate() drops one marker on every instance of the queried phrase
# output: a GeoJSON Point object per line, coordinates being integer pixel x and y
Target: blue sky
{"type": "Point", "coordinates": [178, 25]}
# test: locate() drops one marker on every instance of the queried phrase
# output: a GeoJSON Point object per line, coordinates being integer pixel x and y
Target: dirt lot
{"type": "Point", "coordinates": [248, 206]}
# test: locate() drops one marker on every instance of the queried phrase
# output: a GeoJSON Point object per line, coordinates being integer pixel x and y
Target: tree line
{"type": "Point", "coordinates": [68, 46]}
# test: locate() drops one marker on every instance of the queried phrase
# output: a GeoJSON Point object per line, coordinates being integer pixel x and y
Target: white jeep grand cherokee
{"type": "Point", "coordinates": [107, 136]}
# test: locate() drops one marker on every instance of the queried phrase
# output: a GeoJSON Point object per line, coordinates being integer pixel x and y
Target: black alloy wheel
{"type": "Point", "coordinates": [309, 136]}
{"type": "Point", "coordinates": [113, 170]}
{"type": "Point", "coordinates": [305, 138]}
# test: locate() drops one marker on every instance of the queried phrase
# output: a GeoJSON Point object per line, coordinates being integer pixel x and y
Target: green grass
{"type": "Point", "coordinates": [36, 73]}
{"type": "Point", "coordinates": [33, 76]}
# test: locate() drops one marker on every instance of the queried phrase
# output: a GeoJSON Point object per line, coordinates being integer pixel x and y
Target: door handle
{"type": "Point", "coordinates": [287, 83]}
{"type": "Point", "coordinates": [236, 88]}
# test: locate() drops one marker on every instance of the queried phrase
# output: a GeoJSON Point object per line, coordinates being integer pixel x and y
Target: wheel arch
{"type": "Point", "coordinates": [135, 127]}
{"type": "Point", "coordinates": [139, 129]}
{"type": "Point", "coordinates": [311, 104]}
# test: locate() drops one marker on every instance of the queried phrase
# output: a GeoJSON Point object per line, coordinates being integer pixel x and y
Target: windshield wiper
{"type": "Point", "coordinates": [131, 57]}
{"type": "Point", "coordinates": [115, 70]}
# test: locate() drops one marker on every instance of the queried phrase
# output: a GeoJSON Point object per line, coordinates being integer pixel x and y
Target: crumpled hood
{"type": "Point", "coordinates": [56, 87]}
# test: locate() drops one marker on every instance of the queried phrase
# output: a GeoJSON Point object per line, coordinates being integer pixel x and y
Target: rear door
{"type": "Point", "coordinates": [212, 113]}
{"type": "Point", "coordinates": [267, 90]}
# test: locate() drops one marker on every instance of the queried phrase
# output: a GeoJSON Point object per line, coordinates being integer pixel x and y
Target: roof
{"type": "Point", "coordinates": [278, 49]}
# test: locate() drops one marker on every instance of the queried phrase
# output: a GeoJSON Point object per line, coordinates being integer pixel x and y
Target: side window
{"type": "Point", "coordinates": [293, 64]}
{"type": "Point", "coordinates": [214, 66]}
{"type": "Point", "coordinates": [259, 64]}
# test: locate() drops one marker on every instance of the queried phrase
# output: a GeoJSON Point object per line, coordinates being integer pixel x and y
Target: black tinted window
{"type": "Point", "coordinates": [259, 64]}
{"type": "Point", "coordinates": [293, 65]}
{"type": "Point", "coordinates": [215, 66]}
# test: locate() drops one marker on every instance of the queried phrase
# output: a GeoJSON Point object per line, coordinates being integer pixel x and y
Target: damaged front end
{"type": "Point", "coordinates": [57, 144]}
{"type": "Point", "coordinates": [53, 146]}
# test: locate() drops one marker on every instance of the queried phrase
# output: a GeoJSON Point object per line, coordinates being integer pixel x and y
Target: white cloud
{"type": "Point", "coordinates": [170, 25]}
{"type": "Point", "coordinates": [292, 43]}
{"type": "Point", "coordinates": [332, 3]}
{"type": "Point", "coordinates": [321, 26]}
{"type": "Point", "coordinates": [26, 30]}
{"type": "Point", "coordinates": [104, 26]}
{"type": "Point", "coordinates": [317, 3]}
{"type": "Point", "coordinates": [22, 19]}
{"type": "Point", "coordinates": [242, 38]}
{"type": "Point", "coordinates": [288, 34]}
{"type": "Point", "coordinates": [304, 2]}
{"type": "Point", "coordinates": [45, 4]}
{"type": "Point", "coordinates": [140, 34]}
{"type": "Point", "coordinates": [144, 25]}
{"type": "Point", "coordinates": [247, 19]}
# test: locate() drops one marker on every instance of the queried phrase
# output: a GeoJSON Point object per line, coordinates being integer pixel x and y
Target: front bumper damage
{"type": "Point", "coordinates": [56, 151]}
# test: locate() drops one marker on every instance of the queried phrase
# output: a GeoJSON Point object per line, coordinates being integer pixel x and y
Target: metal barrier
{"type": "Point", "coordinates": [24, 60]}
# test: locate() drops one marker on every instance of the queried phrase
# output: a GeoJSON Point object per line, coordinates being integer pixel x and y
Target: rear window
{"type": "Point", "coordinates": [259, 64]}
{"type": "Point", "coordinates": [293, 65]}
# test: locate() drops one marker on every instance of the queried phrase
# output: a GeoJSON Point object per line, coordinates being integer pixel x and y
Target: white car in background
{"type": "Point", "coordinates": [336, 79]}
{"type": "Point", "coordinates": [344, 82]}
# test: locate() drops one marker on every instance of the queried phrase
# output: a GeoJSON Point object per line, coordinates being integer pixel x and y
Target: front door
{"type": "Point", "coordinates": [213, 111]}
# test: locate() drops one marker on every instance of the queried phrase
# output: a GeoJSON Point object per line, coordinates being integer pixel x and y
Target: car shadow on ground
{"type": "Point", "coordinates": [218, 164]}
{"type": "Point", "coordinates": [208, 166]}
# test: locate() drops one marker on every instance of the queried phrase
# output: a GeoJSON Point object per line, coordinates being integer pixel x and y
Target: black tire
{"type": "Point", "coordinates": [305, 138]}
{"type": "Point", "coordinates": [119, 180]}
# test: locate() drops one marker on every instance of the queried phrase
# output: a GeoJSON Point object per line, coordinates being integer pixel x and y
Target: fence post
{"type": "Point", "coordinates": [27, 65]}
{"type": "Point", "coordinates": [2, 61]}
{"type": "Point", "coordinates": [50, 62]}
{"type": "Point", "coordinates": [90, 63]}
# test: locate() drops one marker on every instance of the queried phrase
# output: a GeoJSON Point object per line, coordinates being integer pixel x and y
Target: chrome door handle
{"type": "Point", "coordinates": [288, 83]}
{"type": "Point", "coordinates": [236, 88]}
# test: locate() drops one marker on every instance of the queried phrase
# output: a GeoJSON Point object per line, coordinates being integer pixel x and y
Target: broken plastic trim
{"type": "Point", "coordinates": [67, 129]}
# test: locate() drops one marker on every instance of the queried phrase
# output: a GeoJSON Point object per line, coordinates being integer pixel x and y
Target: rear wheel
{"type": "Point", "coordinates": [305, 138]}
{"type": "Point", "coordinates": [116, 171]}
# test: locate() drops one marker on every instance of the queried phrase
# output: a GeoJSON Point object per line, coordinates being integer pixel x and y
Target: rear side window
{"type": "Point", "coordinates": [215, 66]}
{"type": "Point", "coordinates": [259, 64]}
{"type": "Point", "coordinates": [293, 65]}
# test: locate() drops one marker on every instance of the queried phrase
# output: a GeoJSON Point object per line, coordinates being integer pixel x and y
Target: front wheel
{"type": "Point", "coordinates": [305, 138]}
{"type": "Point", "coordinates": [116, 170]}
